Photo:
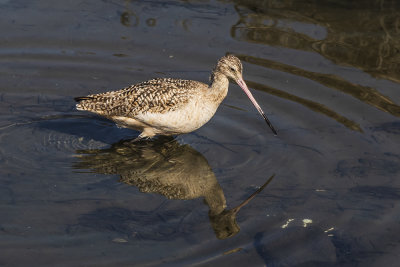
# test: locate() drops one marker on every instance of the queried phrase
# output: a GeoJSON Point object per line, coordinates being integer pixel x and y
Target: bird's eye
{"type": "Point", "coordinates": [232, 69]}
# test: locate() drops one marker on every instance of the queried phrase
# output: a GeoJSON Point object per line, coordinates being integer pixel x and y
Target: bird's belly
{"type": "Point", "coordinates": [123, 121]}
{"type": "Point", "coordinates": [186, 119]}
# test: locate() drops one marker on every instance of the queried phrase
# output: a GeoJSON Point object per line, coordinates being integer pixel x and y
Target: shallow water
{"type": "Point", "coordinates": [74, 192]}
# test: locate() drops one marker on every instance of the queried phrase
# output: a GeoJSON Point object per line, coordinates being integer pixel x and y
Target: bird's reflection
{"type": "Point", "coordinates": [168, 168]}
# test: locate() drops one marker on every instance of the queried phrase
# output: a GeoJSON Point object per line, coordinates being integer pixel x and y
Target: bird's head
{"type": "Point", "coordinates": [231, 67]}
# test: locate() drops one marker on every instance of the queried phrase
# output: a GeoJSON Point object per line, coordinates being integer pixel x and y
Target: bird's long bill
{"type": "Point", "coordinates": [243, 85]}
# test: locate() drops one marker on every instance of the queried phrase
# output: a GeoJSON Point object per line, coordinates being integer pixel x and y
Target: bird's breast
{"type": "Point", "coordinates": [187, 118]}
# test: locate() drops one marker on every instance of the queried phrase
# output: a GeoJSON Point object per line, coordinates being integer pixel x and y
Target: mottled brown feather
{"type": "Point", "coordinates": [157, 95]}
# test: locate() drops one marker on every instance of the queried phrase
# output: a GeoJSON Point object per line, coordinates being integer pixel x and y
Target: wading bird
{"type": "Point", "coordinates": [168, 106]}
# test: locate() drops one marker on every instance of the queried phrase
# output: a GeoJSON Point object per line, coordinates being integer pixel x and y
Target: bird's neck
{"type": "Point", "coordinates": [218, 88]}
{"type": "Point", "coordinates": [215, 199]}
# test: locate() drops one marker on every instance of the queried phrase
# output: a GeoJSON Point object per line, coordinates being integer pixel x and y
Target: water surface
{"type": "Point", "coordinates": [75, 191]}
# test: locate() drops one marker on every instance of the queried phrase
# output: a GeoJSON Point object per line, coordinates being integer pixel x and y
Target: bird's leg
{"type": "Point", "coordinates": [142, 136]}
{"type": "Point", "coordinates": [136, 139]}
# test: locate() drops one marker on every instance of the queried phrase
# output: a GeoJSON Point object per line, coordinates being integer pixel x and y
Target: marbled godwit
{"type": "Point", "coordinates": [167, 106]}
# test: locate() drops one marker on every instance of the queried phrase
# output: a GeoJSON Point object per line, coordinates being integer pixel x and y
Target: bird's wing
{"type": "Point", "coordinates": [157, 95]}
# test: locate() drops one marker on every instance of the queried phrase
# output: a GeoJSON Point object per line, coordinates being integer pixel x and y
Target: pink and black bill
{"type": "Point", "coordinates": [243, 85]}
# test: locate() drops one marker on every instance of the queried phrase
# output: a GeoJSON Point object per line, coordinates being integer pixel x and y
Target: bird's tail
{"type": "Point", "coordinates": [80, 99]}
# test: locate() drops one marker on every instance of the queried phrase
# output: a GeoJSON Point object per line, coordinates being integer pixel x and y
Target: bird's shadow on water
{"type": "Point", "coordinates": [87, 126]}
{"type": "Point", "coordinates": [165, 167]}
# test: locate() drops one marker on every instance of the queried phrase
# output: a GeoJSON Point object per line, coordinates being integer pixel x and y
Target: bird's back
{"type": "Point", "coordinates": [155, 96]}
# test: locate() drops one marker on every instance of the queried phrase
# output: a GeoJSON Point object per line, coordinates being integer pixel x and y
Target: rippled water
{"type": "Point", "coordinates": [75, 191]}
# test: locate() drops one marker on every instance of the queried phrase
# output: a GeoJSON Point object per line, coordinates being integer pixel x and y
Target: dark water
{"type": "Point", "coordinates": [327, 73]}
